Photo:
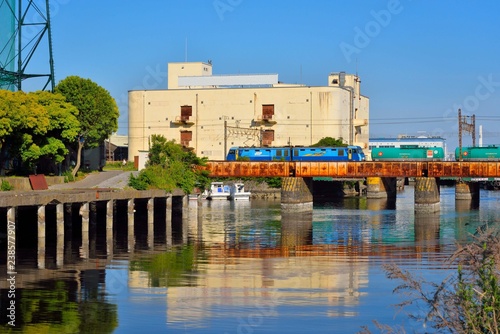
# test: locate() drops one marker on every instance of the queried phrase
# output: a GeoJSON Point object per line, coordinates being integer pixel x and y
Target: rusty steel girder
{"type": "Point", "coordinates": [354, 169]}
{"type": "Point", "coordinates": [249, 169]}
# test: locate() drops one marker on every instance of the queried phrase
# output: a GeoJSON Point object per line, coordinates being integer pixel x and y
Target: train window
{"type": "Point", "coordinates": [341, 152]}
{"type": "Point", "coordinates": [278, 153]}
{"type": "Point", "coordinates": [295, 153]}
{"type": "Point", "coordinates": [286, 153]}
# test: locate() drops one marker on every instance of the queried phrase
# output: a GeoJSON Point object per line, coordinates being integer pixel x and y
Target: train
{"type": "Point", "coordinates": [411, 153]}
{"type": "Point", "coordinates": [296, 153]}
{"type": "Point", "coordinates": [483, 153]}
{"type": "Point", "coordinates": [355, 153]}
{"type": "Point", "coordinates": [407, 153]}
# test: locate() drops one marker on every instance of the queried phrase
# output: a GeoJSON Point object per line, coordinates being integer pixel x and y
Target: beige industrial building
{"type": "Point", "coordinates": [211, 113]}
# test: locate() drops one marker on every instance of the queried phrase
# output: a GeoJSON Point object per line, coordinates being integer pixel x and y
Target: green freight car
{"type": "Point", "coordinates": [408, 153]}
{"type": "Point", "coordinates": [491, 152]}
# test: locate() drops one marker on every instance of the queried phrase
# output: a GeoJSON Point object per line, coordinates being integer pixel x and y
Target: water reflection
{"type": "Point", "coordinates": [296, 228]}
{"type": "Point", "coordinates": [427, 232]}
{"type": "Point", "coordinates": [241, 267]}
{"type": "Point", "coordinates": [74, 304]}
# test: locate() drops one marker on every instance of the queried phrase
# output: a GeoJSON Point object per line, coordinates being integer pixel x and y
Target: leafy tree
{"type": "Point", "coordinates": [36, 125]}
{"type": "Point", "coordinates": [98, 112]}
{"type": "Point", "coordinates": [329, 142]}
{"type": "Point", "coordinates": [58, 126]}
{"type": "Point", "coordinates": [171, 166]}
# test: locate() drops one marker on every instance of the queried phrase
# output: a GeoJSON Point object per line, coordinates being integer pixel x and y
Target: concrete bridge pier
{"type": "Point", "coordinates": [381, 187]}
{"type": "Point", "coordinates": [296, 194]}
{"type": "Point", "coordinates": [109, 227]}
{"type": "Point", "coordinates": [60, 235]}
{"type": "Point", "coordinates": [41, 236]}
{"type": "Point", "coordinates": [427, 195]}
{"type": "Point", "coordinates": [168, 223]}
{"type": "Point", "coordinates": [84, 212]}
{"type": "Point", "coordinates": [130, 225]}
{"type": "Point", "coordinates": [151, 209]}
{"type": "Point", "coordinates": [467, 192]}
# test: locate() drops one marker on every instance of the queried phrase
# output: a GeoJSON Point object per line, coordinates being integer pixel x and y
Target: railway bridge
{"type": "Point", "coordinates": [380, 177]}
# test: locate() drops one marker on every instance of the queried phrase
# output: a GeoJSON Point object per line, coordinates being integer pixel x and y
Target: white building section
{"type": "Point", "coordinates": [208, 114]}
{"type": "Point", "coordinates": [228, 80]}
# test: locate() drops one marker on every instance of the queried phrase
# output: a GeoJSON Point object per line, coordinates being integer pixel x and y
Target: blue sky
{"type": "Point", "coordinates": [419, 61]}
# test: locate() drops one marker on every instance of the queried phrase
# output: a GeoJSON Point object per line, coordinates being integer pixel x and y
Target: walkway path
{"type": "Point", "coordinates": [110, 179]}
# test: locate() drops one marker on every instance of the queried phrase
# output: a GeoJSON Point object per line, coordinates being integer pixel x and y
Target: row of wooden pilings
{"type": "Point", "coordinates": [85, 210]}
{"type": "Point", "coordinates": [297, 193]}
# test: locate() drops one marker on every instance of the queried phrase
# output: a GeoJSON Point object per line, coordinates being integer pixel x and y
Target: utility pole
{"type": "Point", "coordinates": [225, 139]}
{"type": "Point", "coordinates": [465, 125]}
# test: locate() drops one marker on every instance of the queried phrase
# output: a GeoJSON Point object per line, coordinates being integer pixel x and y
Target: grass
{"type": "Point", "coordinates": [118, 165]}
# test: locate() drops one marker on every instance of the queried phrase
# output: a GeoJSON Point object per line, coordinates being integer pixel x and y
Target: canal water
{"type": "Point", "coordinates": [243, 267]}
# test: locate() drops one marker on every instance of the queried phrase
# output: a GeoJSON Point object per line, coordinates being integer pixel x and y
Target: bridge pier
{"type": "Point", "coordinates": [150, 208]}
{"type": "Point", "coordinates": [427, 195]}
{"type": "Point", "coordinates": [109, 227]}
{"type": "Point", "coordinates": [296, 194]}
{"type": "Point", "coordinates": [41, 236]}
{"type": "Point", "coordinates": [467, 191]}
{"type": "Point", "coordinates": [381, 187]}
{"type": "Point", "coordinates": [168, 223]}
{"type": "Point", "coordinates": [60, 235]}
{"type": "Point", "coordinates": [130, 225]}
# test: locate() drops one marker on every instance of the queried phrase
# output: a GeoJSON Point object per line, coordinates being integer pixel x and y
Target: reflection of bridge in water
{"type": "Point", "coordinates": [235, 270]}
{"type": "Point", "coordinates": [158, 227]}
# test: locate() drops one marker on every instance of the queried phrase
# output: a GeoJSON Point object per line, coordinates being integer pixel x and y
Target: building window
{"type": "Point", "coordinates": [186, 137]}
{"type": "Point", "coordinates": [186, 112]}
{"type": "Point", "coordinates": [267, 112]}
{"type": "Point", "coordinates": [267, 137]}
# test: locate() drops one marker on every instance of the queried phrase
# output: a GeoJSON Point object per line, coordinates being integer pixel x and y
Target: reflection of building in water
{"type": "Point", "coordinates": [266, 284]}
{"type": "Point", "coordinates": [229, 222]}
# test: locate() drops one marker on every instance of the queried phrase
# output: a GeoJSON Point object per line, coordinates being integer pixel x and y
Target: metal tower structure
{"type": "Point", "coordinates": [25, 44]}
{"type": "Point", "coordinates": [465, 126]}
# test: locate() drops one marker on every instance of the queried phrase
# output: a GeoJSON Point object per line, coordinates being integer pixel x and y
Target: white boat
{"type": "Point", "coordinates": [237, 192]}
{"type": "Point", "coordinates": [218, 190]}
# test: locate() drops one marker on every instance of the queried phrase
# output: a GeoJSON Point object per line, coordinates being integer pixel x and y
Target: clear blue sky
{"type": "Point", "coordinates": [419, 61]}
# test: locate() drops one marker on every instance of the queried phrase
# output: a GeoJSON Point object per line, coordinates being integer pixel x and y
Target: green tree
{"type": "Point", "coordinates": [171, 166]}
{"type": "Point", "coordinates": [329, 142]}
{"type": "Point", "coordinates": [98, 112]}
{"type": "Point", "coordinates": [56, 127]}
{"type": "Point", "coordinates": [36, 125]}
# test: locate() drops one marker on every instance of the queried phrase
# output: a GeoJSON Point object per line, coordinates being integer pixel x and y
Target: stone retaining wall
{"type": "Point", "coordinates": [23, 183]}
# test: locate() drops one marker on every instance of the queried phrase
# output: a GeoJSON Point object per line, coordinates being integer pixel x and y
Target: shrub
{"type": "Point", "coordinates": [467, 302]}
{"type": "Point", "coordinates": [68, 177]}
{"type": "Point", "coordinates": [6, 186]}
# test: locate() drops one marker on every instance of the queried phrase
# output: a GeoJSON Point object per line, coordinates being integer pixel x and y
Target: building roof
{"type": "Point", "coordinates": [228, 80]}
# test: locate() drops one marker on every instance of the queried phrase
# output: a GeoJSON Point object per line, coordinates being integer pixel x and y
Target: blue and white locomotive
{"type": "Point", "coordinates": [348, 153]}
